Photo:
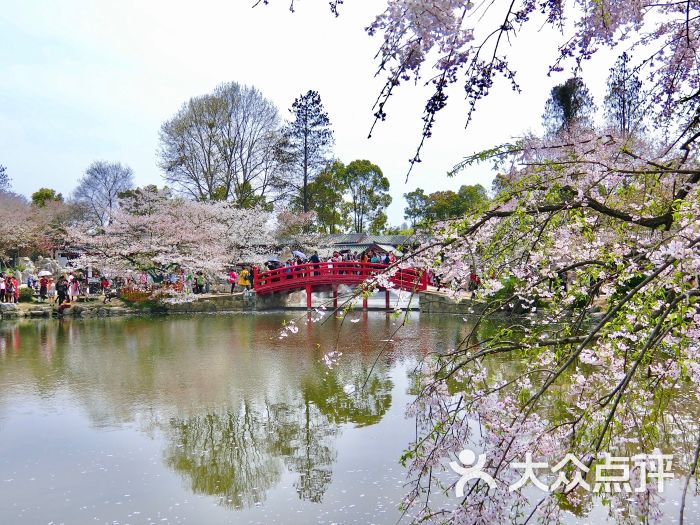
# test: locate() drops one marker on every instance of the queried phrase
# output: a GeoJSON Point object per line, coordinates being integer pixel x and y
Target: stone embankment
{"type": "Point", "coordinates": [45, 311]}
{"type": "Point", "coordinates": [432, 302]}
{"type": "Point", "coordinates": [201, 304]}
{"type": "Point", "coordinates": [233, 303]}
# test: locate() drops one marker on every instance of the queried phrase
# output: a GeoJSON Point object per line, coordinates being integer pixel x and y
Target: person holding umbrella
{"type": "Point", "coordinates": [43, 288]}
{"type": "Point", "coordinates": [43, 284]}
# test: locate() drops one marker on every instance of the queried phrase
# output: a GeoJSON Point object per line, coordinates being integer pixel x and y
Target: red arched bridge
{"type": "Point", "coordinates": [331, 274]}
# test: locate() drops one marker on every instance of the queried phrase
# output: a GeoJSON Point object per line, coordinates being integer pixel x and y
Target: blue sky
{"type": "Point", "coordinates": [87, 80]}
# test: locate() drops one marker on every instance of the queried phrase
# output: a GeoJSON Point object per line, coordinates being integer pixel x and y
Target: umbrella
{"type": "Point", "coordinates": [297, 253]}
{"type": "Point", "coordinates": [273, 259]}
{"type": "Point", "coordinates": [45, 273]}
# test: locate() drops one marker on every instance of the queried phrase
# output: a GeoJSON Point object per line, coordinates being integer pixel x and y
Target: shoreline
{"type": "Point", "coordinates": [430, 303]}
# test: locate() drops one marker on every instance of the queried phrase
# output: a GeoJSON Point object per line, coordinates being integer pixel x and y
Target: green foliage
{"type": "Point", "coordinates": [378, 224]}
{"type": "Point", "coordinates": [369, 193]}
{"type": "Point", "coordinates": [4, 179]}
{"type": "Point", "coordinates": [626, 286]}
{"type": "Point", "coordinates": [416, 204]}
{"type": "Point", "coordinates": [43, 196]}
{"type": "Point", "coordinates": [307, 141]}
{"type": "Point", "coordinates": [497, 155]}
{"type": "Point", "coordinates": [26, 295]}
{"type": "Point", "coordinates": [246, 197]}
{"type": "Point", "coordinates": [624, 110]}
{"type": "Point", "coordinates": [442, 205]}
{"type": "Point", "coordinates": [504, 293]}
{"type": "Point", "coordinates": [326, 197]}
{"type": "Point", "coordinates": [569, 104]}
{"type": "Point", "coordinates": [500, 184]}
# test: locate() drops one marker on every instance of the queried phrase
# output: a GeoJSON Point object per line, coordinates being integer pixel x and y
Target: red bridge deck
{"type": "Point", "coordinates": [311, 275]}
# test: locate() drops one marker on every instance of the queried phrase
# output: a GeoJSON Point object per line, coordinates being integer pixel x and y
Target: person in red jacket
{"type": "Point", "coordinates": [474, 282]}
{"type": "Point", "coordinates": [43, 288]}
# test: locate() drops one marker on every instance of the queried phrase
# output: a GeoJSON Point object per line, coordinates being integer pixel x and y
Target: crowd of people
{"type": "Point", "coordinates": [71, 286]}
{"type": "Point", "coordinates": [67, 288]}
{"type": "Point", "coordinates": [9, 288]}
{"type": "Point", "coordinates": [367, 256]}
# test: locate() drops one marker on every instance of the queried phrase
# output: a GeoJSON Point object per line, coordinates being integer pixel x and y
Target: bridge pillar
{"type": "Point", "coordinates": [308, 296]}
{"type": "Point", "coordinates": [364, 302]}
{"type": "Point", "coordinates": [335, 297]}
{"type": "Point", "coordinates": [387, 300]}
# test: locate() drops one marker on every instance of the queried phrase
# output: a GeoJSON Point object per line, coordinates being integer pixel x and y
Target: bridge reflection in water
{"type": "Point", "coordinates": [329, 275]}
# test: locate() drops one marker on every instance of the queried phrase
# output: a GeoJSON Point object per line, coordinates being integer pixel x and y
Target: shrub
{"type": "Point", "coordinates": [135, 296]}
{"type": "Point", "coordinates": [26, 295]}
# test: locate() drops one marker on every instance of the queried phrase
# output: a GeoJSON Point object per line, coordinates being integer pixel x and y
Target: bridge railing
{"type": "Point", "coordinates": [345, 272]}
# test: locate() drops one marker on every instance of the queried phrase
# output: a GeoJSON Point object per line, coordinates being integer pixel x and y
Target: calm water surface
{"type": "Point", "coordinates": [209, 419]}
{"type": "Point", "coordinates": [205, 420]}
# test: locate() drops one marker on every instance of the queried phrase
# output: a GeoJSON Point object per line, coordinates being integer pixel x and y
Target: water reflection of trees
{"type": "Point", "coordinates": [225, 454]}
{"type": "Point", "coordinates": [304, 437]}
{"type": "Point", "coordinates": [346, 398]}
{"type": "Point", "coordinates": [240, 454]}
{"type": "Point", "coordinates": [239, 410]}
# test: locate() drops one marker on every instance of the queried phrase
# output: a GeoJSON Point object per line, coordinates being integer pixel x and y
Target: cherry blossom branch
{"type": "Point", "coordinates": [691, 473]}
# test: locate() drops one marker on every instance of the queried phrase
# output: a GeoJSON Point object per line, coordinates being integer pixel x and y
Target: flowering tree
{"type": "Point", "coordinates": [589, 223]}
{"type": "Point", "coordinates": [155, 233]}
{"type": "Point", "coordinates": [293, 223]}
{"type": "Point", "coordinates": [27, 228]}
{"type": "Point", "coordinates": [598, 247]}
{"type": "Point", "coordinates": [594, 237]}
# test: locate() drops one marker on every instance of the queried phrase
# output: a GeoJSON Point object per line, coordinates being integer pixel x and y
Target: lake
{"type": "Point", "coordinates": [211, 419]}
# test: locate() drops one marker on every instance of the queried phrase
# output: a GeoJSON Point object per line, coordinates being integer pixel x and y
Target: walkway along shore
{"type": "Point", "coordinates": [427, 302]}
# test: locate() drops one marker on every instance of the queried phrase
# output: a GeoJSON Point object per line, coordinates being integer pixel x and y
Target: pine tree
{"type": "Point", "coordinates": [4, 179]}
{"type": "Point", "coordinates": [308, 139]}
{"type": "Point", "coordinates": [569, 104]}
{"type": "Point", "coordinates": [623, 103]}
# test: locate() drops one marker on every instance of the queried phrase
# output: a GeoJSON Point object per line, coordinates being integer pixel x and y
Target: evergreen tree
{"type": "Point", "coordinates": [623, 102]}
{"type": "Point", "coordinates": [4, 179]}
{"type": "Point", "coordinates": [369, 195]}
{"type": "Point", "coordinates": [326, 196]}
{"type": "Point", "coordinates": [441, 205]}
{"type": "Point", "coordinates": [569, 104]}
{"type": "Point", "coordinates": [416, 206]}
{"type": "Point", "coordinates": [308, 138]}
{"type": "Point", "coordinates": [42, 196]}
